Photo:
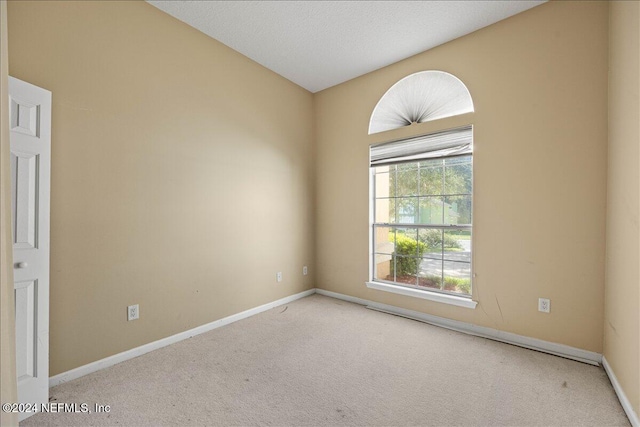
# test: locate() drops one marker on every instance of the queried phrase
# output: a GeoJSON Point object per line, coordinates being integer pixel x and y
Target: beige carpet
{"type": "Point", "coordinates": [321, 361]}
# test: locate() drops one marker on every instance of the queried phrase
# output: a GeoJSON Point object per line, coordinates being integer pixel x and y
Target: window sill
{"type": "Point", "coordinates": [418, 293]}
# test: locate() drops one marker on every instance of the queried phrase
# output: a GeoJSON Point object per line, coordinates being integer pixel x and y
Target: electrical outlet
{"type": "Point", "coordinates": [279, 276]}
{"type": "Point", "coordinates": [133, 312]}
{"type": "Point", "coordinates": [544, 305]}
{"type": "Point", "coordinates": [305, 271]}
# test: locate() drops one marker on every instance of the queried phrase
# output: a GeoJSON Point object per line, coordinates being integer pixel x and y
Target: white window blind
{"type": "Point", "coordinates": [418, 98]}
{"type": "Point", "coordinates": [448, 143]}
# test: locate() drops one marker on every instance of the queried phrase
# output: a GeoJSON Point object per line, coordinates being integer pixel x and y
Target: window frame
{"type": "Point", "coordinates": [439, 295]}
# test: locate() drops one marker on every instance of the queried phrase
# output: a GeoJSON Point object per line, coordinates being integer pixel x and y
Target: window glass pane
{"type": "Point", "coordinates": [457, 245]}
{"type": "Point", "coordinates": [431, 178]}
{"type": "Point", "coordinates": [432, 240]}
{"type": "Point", "coordinates": [392, 180]}
{"type": "Point", "coordinates": [406, 270]}
{"type": "Point", "coordinates": [408, 251]}
{"type": "Point", "coordinates": [430, 275]}
{"type": "Point", "coordinates": [407, 210]}
{"type": "Point", "coordinates": [383, 185]}
{"type": "Point", "coordinates": [410, 166]}
{"type": "Point", "coordinates": [385, 211]}
{"type": "Point", "coordinates": [457, 210]}
{"type": "Point", "coordinates": [384, 267]}
{"type": "Point", "coordinates": [457, 277]}
{"type": "Point", "coordinates": [383, 239]}
{"type": "Point", "coordinates": [432, 163]}
{"type": "Point", "coordinates": [406, 242]}
{"type": "Point", "coordinates": [458, 160]}
{"type": "Point", "coordinates": [431, 210]}
{"type": "Point", "coordinates": [458, 175]}
{"type": "Point", "coordinates": [407, 180]}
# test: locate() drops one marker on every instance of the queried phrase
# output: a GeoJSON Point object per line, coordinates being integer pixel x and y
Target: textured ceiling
{"type": "Point", "coordinates": [319, 44]}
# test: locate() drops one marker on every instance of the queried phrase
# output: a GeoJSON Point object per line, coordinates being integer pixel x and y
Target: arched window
{"type": "Point", "coordinates": [422, 189]}
{"type": "Point", "coordinates": [419, 98]}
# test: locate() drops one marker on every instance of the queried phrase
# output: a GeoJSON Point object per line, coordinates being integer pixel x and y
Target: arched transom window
{"type": "Point", "coordinates": [419, 98]}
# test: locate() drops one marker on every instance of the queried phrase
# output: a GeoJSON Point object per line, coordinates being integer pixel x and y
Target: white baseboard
{"type": "Point", "coordinates": [343, 297]}
{"type": "Point", "coordinates": [480, 331]}
{"type": "Point", "coordinates": [622, 397]}
{"type": "Point", "coordinates": [561, 350]}
{"type": "Point", "coordinates": [138, 351]}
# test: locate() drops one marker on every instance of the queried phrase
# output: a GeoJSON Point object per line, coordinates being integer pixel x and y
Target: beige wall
{"type": "Point", "coordinates": [539, 84]}
{"type": "Point", "coordinates": [182, 175]}
{"type": "Point", "coordinates": [8, 390]}
{"type": "Point", "coordinates": [622, 291]}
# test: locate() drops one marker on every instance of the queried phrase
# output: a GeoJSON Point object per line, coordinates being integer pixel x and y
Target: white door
{"type": "Point", "coordinates": [30, 123]}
